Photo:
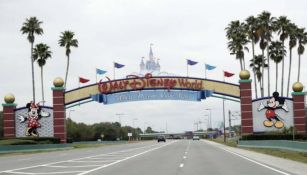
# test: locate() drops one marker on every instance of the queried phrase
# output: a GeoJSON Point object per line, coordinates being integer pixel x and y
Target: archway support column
{"type": "Point", "coordinates": [9, 116]}
{"type": "Point", "coordinates": [299, 112]}
{"type": "Point", "coordinates": [59, 123]}
{"type": "Point", "coordinates": [246, 107]}
{"type": "Point", "coordinates": [9, 120]}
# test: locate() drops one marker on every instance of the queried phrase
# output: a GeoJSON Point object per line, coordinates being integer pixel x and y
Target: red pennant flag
{"type": "Point", "coordinates": [83, 80]}
{"type": "Point", "coordinates": [228, 74]}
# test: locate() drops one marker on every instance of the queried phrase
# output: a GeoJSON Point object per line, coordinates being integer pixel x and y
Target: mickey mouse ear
{"type": "Point", "coordinates": [275, 94]}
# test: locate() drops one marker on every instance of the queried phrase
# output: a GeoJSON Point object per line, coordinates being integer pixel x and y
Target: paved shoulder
{"type": "Point", "coordinates": [280, 164]}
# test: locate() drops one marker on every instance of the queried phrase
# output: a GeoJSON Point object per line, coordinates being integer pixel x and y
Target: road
{"type": "Point", "coordinates": [182, 157]}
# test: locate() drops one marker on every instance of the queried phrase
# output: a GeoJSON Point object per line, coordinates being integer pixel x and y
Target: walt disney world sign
{"type": "Point", "coordinates": [135, 88]}
{"type": "Point", "coordinates": [157, 88]}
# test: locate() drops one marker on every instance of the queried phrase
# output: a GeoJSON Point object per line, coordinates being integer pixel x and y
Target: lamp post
{"type": "Point", "coordinates": [119, 117]}
{"type": "Point", "coordinates": [210, 122]}
{"type": "Point", "coordinates": [134, 119]}
{"type": "Point", "coordinates": [70, 112]}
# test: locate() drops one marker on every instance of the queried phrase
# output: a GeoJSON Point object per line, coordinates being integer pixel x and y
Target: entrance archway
{"type": "Point", "coordinates": [148, 87]}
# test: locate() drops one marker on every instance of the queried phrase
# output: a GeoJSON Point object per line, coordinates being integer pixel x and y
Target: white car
{"type": "Point", "coordinates": [195, 137]}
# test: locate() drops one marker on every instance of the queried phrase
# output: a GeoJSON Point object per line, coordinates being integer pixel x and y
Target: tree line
{"type": "Point", "coordinates": [41, 52]}
{"type": "Point", "coordinates": [92, 132]}
{"type": "Point", "coordinates": [104, 131]}
{"type": "Point", "coordinates": [275, 35]}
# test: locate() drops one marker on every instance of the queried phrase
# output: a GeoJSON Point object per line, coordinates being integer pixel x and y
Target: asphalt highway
{"type": "Point", "coordinates": [181, 157]}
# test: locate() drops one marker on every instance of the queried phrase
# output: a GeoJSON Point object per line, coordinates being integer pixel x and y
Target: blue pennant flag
{"type": "Point", "coordinates": [117, 65]}
{"type": "Point", "coordinates": [100, 71]}
{"type": "Point", "coordinates": [210, 67]}
{"type": "Point", "coordinates": [190, 62]}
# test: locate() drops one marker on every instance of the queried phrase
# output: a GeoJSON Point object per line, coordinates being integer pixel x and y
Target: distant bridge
{"type": "Point", "coordinates": [175, 134]}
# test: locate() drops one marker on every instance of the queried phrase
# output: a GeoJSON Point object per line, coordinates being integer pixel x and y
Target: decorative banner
{"type": "Point", "coordinates": [272, 114]}
{"type": "Point", "coordinates": [151, 95]}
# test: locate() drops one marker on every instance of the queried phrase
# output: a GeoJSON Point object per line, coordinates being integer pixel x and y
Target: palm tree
{"type": "Point", "coordinates": [235, 33]}
{"type": "Point", "coordinates": [281, 25]}
{"type": "Point", "coordinates": [266, 29]}
{"type": "Point", "coordinates": [277, 51]}
{"type": "Point", "coordinates": [67, 40]}
{"type": "Point", "coordinates": [31, 27]}
{"type": "Point", "coordinates": [263, 45]}
{"type": "Point", "coordinates": [302, 40]}
{"type": "Point", "coordinates": [256, 65]}
{"type": "Point", "coordinates": [292, 30]}
{"type": "Point", "coordinates": [41, 53]}
{"type": "Point", "coordinates": [251, 29]}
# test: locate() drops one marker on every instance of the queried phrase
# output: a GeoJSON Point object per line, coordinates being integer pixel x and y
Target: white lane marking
{"type": "Point", "coordinates": [64, 172]}
{"type": "Point", "coordinates": [89, 161]}
{"type": "Point", "coordinates": [127, 158]}
{"type": "Point", "coordinates": [107, 158]}
{"type": "Point", "coordinates": [24, 159]}
{"type": "Point", "coordinates": [52, 163]}
{"type": "Point", "coordinates": [181, 165]}
{"type": "Point", "coordinates": [184, 157]}
{"type": "Point", "coordinates": [256, 162]}
{"type": "Point", "coordinates": [75, 166]}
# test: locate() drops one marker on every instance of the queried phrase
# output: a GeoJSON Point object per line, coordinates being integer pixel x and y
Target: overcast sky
{"type": "Point", "coordinates": [122, 30]}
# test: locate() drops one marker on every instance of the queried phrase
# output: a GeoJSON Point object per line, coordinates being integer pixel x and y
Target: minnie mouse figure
{"type": "Point", "coordinates": [272, 116]}
{"type": "Point", "coordinates": [35, 113]}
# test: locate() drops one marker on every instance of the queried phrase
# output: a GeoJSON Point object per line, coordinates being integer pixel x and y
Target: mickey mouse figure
{"type": "Point", "coordinates": [35, 113]}
{"type": "Point", "coordinates": [272, 116]}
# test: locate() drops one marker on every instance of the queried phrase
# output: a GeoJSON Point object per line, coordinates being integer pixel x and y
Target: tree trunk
{"type": "Point", "coordinates": [255, 80]}
{"type": "Point", "coordinates": [268, 57]}
{"type": "Point", "coordinates": [42, 81]}
{"type": "Point", "coordinates": [262, 76]}
{"type": "Point", "coordinates": [276, 77]}
{"type": "Point", "coordinates": [66, 71]}
{"type": "Point", "coordinates": [299, 68]}
{"type": "Point", "coordinates": [289, 75]}
{"type": "Point", "coordinates": [33, 80]}
{"type": "Point", "coordinates": [282, 71]}
{"type": "Point", "coordinates": [241, 64]}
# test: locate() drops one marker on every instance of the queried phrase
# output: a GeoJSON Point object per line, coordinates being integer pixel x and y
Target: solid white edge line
{"type": "Point", "coordinates": [127, 158]}
{"type": "Point", "coordinates": [256, 162]}
{"type": "Point", "coordinates": [65, 172]}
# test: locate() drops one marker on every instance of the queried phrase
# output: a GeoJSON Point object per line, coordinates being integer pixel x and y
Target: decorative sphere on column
{"type": "Point", "coordinates": [244, 75]}
{"type": "Point", "coordinates": [9, 98]}
{"type": "Point", "coordinates": [297, 87]}
{"type": "Point", "coordinates": [58, 82]}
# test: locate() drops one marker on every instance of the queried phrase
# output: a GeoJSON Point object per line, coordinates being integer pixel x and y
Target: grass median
{"type": "Point", "coordinates": [290, 155]}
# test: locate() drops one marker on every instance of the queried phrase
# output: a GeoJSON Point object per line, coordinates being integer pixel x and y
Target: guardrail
{"type": "Point", "coordinates": [275, 144]}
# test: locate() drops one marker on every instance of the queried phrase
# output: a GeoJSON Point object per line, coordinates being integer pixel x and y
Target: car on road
{"type": "Point", "coordinates": [195, 137]}
{"type": "Point", "coordinates": [161, 138]}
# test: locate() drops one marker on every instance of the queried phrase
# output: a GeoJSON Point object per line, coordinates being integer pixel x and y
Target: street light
{"type": "Point", "coordinates": [70, 112]}
{"type": "Point", "coordinates": [210, 122]}
{"type": "Point", "coordinates": [119, 117]}
{"type": "Point", "coordinates": [134, 119]}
